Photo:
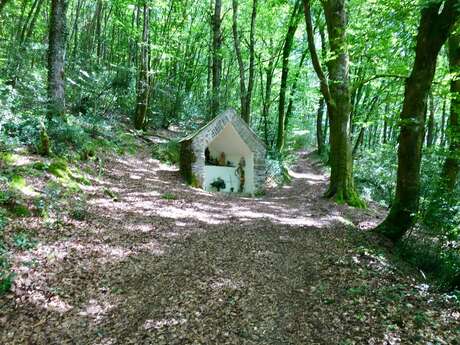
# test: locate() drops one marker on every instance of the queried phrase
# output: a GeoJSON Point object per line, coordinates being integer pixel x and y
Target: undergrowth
{"type": "Point", "coordinates": [168, 152]}
{"type": "Point", "coordinates": [433, 245]}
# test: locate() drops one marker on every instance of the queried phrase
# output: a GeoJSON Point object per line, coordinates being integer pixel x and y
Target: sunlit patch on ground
{"type": "Point", "coordinates": [153, 247]}
{"type": "Point", "coordinates": [54, 303]}
{"type": "Point", "coordinates": [158, 324]}
{"type": "Point", "coordinates": [226, 283]}
{"type": "Point", "coordinates": [95, 309]}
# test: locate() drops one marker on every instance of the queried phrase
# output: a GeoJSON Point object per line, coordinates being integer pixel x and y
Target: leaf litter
{"type": "Point", "coordinates": [203, 268]}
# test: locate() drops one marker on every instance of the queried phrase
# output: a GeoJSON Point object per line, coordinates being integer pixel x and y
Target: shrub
{"type": "Point", "coordinates": [278, 167]}
{"type": "Point", "coordinates": [59, 168]}
{"type": "Point", "coordinates": [23, 240]}
{"type": "Point", "coordinates": [375, 175]}
{"type": "Point", "coordinates": [169, 196]}
{"type": "Point", "coordinates": [79, 209]}
{"type": "Point", "coordinates": [434, 244]}
{"type": "Point", "coordinates": [6, 276]}
{"type": "Point", "coordinates": [167, 152]}
{"type": "Point", "coordinates": [439, 262]}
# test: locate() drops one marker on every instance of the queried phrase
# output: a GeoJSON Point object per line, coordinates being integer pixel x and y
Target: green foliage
{"type": "Point", "coordinates": [59, 168]}
{"type": "Point", "coordinates": [6, 277]}
{"type": "Point", "coordinates": [49, 205]}
{"type": "Point", "coordinates": [40, 166]}
{"type": "Point", "coordinates": [10, 195]}
{"type": "Point", "coordinates": [20, 210]}
{"type": "Point", "coordinates": [111, 194]}
{"type": "Point", "coordinates": [44, 143]}
{"type": "Point", "coordinates": [7, 158]}
{"type": "Point", "coordinates": [7, 196]}
{"type": "Point", "coordinates": [195, 182]}
{"type": "Point", "coordinates": [439, 262]}
{"type": "Point", "coordinates": [433, 246]}
{"type": "Point", "coordinates": [23, 240]}
{"type": "Point", "coordinates": [18, 182]}
{"type": "Point", "coordinates": [169, 196]}
{"type": "Point", "coordinates": [375, 174]}
{"type": "Point", "coordinates": [79, 209]}
{"type": "Point", "coordinates": [3, 220]}
{"type": "Point", "coordinates": [168, 152]}
{"type": "Point", "coordinates": [278, 167]}
{"type": "Point", "coordinates": [259, 193]}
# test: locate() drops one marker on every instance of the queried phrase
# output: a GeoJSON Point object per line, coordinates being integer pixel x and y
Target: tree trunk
{"type": "Point", "coordinates": [319, 126]}
{"type": "Point", "coordinates": [451, 167]}
{"type": "Point", "coordinates": [435, 27]}
{"type": "Point", "coordinates": [239, 58]}
{"type": "Point", "coordinates": [31, 28]}
{"type": "Point", "coordinates": [336, 92]}
{"type": "Point", "coordinates": [431, 124]}
{"type": "Point", "coordinates": [252, 43]}
{"type": "Point", "coordinates": [143, 86]}
{"type": "Point", "coordinates": [97, 33]}
{"type": "Point", "coordinates": [360, 139]}
{"type": "Point", "coordinates": [288, 41]}
{"type": "Point", "coordinates": [75, 29]}
{"type": "Point", "coordinates": [290, 106]}
{"type": "Point", "coordinates": [268, 95]}
{"type": "Point", "coordinates": [443, 123]}
{"type": "Point", "coordinates": [27, 20]}
{"type": "Point", "coordinates": [341, 186]}
{"type": "Point", "coordinates": [216, 57]}
{"type": "Point", "coordinates": [385, 124]}
{"type": "Point", "coordinates": [56, 58]}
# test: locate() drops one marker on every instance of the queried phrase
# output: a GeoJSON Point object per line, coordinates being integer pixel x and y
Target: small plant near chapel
{"type": "Point", "coordinates": [169, 196]}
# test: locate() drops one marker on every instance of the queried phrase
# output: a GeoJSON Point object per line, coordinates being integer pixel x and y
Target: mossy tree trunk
{"type": "Point", "coordinates": [451, 167]}
{"type": "Point", "coordinates": [435, 26]}
{"type": "Point", "coordinates": [56, 58]}
{"type": "Point", "coordinates": [336, 91]}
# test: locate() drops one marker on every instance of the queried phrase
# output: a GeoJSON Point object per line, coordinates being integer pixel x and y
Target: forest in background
{"type": "Point", "coordinates": [371, 85]}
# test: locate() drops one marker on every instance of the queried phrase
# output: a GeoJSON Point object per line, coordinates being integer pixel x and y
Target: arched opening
{"type": "Point", "coordinates": [227, 156]}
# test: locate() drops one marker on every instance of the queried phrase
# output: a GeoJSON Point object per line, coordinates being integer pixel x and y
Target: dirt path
{"type": "Point", "coordinates": [214, 269]}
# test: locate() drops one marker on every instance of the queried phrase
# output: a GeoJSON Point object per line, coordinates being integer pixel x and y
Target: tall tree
{"type": "Point", "coordinates": [451, 167]}
{"type": "Point", "coordinates": [436, 23]}
{"type": "Point", "coordinates": [56, 58]}
{"type": "Point", "coordinates": [287, 48]}
{"type": "Point", "coordinates": [321, 106]}
{"type": "Point", "coordinates": [319, 126]}
{"type": "Point", "coordinates": [336, 91]}
{"type": "Point", "coordinates": [216, 57]}
{"type": "Point", "coordinates": [245, 92]}
{"type": "Point", "coordinates": [294, 89]}
{"type": "Point", "coordinates": [143, 85]}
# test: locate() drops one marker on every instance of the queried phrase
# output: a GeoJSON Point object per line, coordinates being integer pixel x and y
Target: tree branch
{"type": "Point", "coordinates": [378, 76]}
{"type": "Point", "coordinates": [324, 87]}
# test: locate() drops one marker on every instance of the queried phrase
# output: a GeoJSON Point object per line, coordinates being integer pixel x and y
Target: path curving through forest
{"type": "Point", "coordinates": [158, 262]}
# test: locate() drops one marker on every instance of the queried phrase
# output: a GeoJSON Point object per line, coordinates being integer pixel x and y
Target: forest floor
{"type": "Point", "coordinates": [157, 262]}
